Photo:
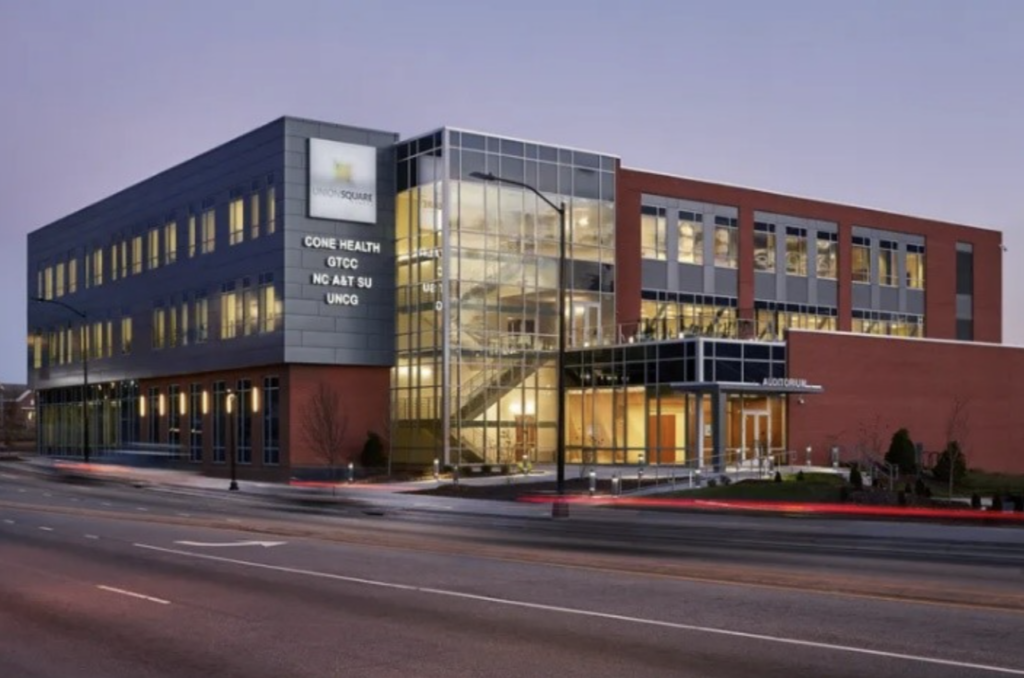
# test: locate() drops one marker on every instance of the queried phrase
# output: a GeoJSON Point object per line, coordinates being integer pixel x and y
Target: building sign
{"type": "Point", "coordinates": [342, 181]}
{"type": "Point", "coordinates": [341, 274]}
{"type": "Point", "coordinates": [775, 382]}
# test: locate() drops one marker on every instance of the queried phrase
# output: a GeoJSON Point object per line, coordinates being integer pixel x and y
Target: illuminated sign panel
{"type": "Point", "coordinates": [342, 181]}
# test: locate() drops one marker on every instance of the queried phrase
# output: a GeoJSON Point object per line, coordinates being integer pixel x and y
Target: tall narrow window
{"type": "Point", "coordinates": [191, 235]}
{"type": "Point", "coordinates": [691, 238]}
{"type": "Point", "coordinates": [652, 233]}
{"type": "Point", "coordinates": [887, 263]}
{"type": "Point", "coordinates": [108, 342]}
{"type": "Point", "coordinates": [137, 255]}
{"type": "Point", "coordinates": [171, 242]}
{"type": "Point", "coordinates": [126, 335]}
{"type": "Point", "coordinates": [114, 268]}
{"type": "Point", "coordinates": [154, 414]}
{"type": "Point", "coordinates": [41, 283]}
{"type": "Point", "coordinates": [243, 421]}
{"type": "Point", "coordinates": [58, 282]}
{"type": "Point", "coordinates": [236, 221]}
{"type": "Point", "coordinates": [153, 249]}
{"type": "Point", "coordinates": [159, 328]}
{"type": "Point", "coordinates": [174, 418]}
{"type": "Point", "coordinates": [202, 319]}
{"type": "Point", "coordinates": [209, 231]}
{"type": "Point", "coordinates": [72, 275]}
{"type": "Point", "coordinates": [254, 216]}
{"type": "Point", "coordinates": [195, 422]}
{"type": "Point", "coordinates": [861, 260]}
{"type": "Point", "coordinates": [97, 267]}
{"type": "Point", "coordinates": [250, 311]}
{"type": "Point", "coordinates": [796, 251]}
{"type": "Point", "coordinates": [220, 416]}
{"type": "Point", "coordinates": [48, 278]}
{"type": "Point", "coordinates": [764, 247]}
{"type": "Point", "coordinates": [915, 267]}
{"type": "Point", "coordinates": [271, 421]}
{"type": "Point", "coordinates": [172, 326]}
{"type": "Point", "coordinates": [228, 315]}
{"type": "Point", "coordinates": [124, 258]}
{"type": "Point", "coordinates": [271, 209]}
{"type": "Point", "coordinates": [184, 328]}
{"type": "Point", "coordinates": [269, 304]}
{"type": "Point", "coordinates": [36, 342]}
{"type": "Point", "coordinates": [827, 257]}
{"type": "Point", "coordinates": [726, 242]}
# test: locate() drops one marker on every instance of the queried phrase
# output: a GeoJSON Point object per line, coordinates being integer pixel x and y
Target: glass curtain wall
{"type": "Point", "coordinates": [113, 418]}
{"type": "Point", "coordinates": [477, 297]}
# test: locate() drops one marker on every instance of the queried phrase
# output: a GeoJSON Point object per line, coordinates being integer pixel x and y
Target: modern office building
{"type": "Point", "coordinates": [217, 305]}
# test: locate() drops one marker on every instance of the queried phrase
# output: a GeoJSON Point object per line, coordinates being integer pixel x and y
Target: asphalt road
{"type": "Point", "coordinates": [115, 581]}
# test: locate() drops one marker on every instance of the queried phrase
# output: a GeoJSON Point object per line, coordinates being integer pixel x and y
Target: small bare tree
{"type": "Point", "coordinates": [325, 425]}
{"type": "Point", "coordinates": [958, 429]}
{"type": "Point", "coordinates": [870, 440]}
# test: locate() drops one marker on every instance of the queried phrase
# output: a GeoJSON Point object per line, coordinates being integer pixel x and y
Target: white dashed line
{"type": "Point", "coordinates": [132, 594]}
{"type": "Point", "coordinates": [46, 529]}
{"type": "Point", "coordinates": [91, 536]}
{"type": "Point", "coordinates": [22, 491]}
{"type": "Point", "coordinates": [141, 508]}
{"type": "Point", "coordinates": [185, 515]}
{"type": "Point", "coordinates": [47, 494]}
{"type": "Point", "coordinates": [105, 503]}
{"type": "Point", "coordinates": [8, 521]}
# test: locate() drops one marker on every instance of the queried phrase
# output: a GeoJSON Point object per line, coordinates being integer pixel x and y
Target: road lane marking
{"type": "Point", "coordinates": [46, 529]}
{"type": "Point", "coordinates": [91, 536]}
{"type": "Point", "coordinates": [264, 544]}
{"type": "Point", "coordinates": [141, 508]}
{"type": "Point", "coordinates": [47, 494]}
{"type": "Point", "coordinates": [185, 515]}
{"type": "Point", "coordinates": [8, 521]}
{"type": "Point", "coordinates": [597, 615]}
{"type": "Point", "coordinates": [22, 491]}
{"type": "Point", "coordinates": [132, 594]}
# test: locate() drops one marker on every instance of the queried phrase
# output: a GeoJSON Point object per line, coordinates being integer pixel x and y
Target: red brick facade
{"type": "Point", "coordinates": [876, 385]}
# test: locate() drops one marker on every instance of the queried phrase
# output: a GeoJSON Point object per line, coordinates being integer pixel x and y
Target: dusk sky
{"type": "Point", "coordinates": [914, 106]}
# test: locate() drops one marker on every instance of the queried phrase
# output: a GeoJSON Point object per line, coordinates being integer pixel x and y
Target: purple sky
{"type": "Point", "coordinates": [913, 106]}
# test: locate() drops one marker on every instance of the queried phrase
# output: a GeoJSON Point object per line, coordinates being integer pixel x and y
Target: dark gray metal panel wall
{"type": "Point", "coordinates": [316, 332]}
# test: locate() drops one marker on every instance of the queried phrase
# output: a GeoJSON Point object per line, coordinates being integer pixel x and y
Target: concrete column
{"type": "Point", "coordinates": [718, 432]}
{"type": "Point", "coordinates": [699, 411]}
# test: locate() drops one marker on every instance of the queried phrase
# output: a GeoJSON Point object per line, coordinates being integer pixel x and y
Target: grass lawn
{"type": "Point", "coordinates": [815, 487]}
{"type": "Point", "coordinates": [984, 483]}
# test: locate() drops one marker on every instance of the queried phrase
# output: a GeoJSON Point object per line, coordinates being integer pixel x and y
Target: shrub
{"type": "Point", "coordinates": [800, 475]}
{"type": "Point", "coordinates": [506, 469]}
{"type": "Point", "coordinates": [951, 458]}
{"type": "Point", "coordinates": [844, 494]}
{"type": "Point", "coordinates": [908, 488]}
{"type": "Point", "coordinates": [920, 489]}
{"type": "Point", "coordinates": [901, 452]}
{"type": "Point", "coordinates": [856, 479]}
{"type": "Point", "coordinates": [976, 501]}
{"type": "Point", "coordinates": [902, 498]}
{"type": "Point", "coordinates": [487, 469]}
{"type": "Point", "coordinates": [1018, 503]}
{"type": "Point", "coordinates": [448, 468]}
{"type": "Point", "coordinates": [712, 482]}
{"type": "Point", "coordinates": [373, 455]}
{"type": "Point", "coordinates": [778, 477]}
{"type": "Point", "coordinates": [997, 502]}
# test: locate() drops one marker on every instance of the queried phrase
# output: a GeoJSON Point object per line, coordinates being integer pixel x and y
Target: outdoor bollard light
{"type": "Point", "coordinates": [437, 469]}
{"type": "Point", "coordinates": [808, 455]}
{"type": "Point", "coordinates": [351, 472]}
{"type": "Point", "coordinates": [593, 483]}
{"type": "Point", "coordinates": [698, 472]}
{"type": "Point", "coordinates": [526, 465]}
{"type": "Point", "coordinates": [615, 485]}
{"type": "Point", "coordinates": [835, 457]}
{"type": "Point", "coordinates": [640, 478]}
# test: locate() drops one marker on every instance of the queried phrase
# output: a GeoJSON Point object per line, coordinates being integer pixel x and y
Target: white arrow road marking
{"type": "Point", "coordinates": [264, 544]}
{"type": "Point", "coordinates": [132, 594]}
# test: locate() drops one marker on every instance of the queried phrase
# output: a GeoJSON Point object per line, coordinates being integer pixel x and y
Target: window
{"type": "Point", "coordinates": [219, 421]}
{"type": "Point", "coordinates": [114, 258]}
{"type": "Point", "coordinates": [828, 259]}
{"type": "Point", "coordinates": [154, 395]}
{"type": "Point", "coordinates": [159, 328]}
{"type": "Point", "coordinates": [137, 255]}
{"type": "Point", "coordinates": [652, 233]}
{"type": "Point", "coordinates": [153, 249]}
{"type": "Point", "coordinates": [108, 343]}
{"type": "Point", "coordinates": [243, 408]}
{"type": "Point", "coordinates": [764, 247]}
{"type": "Point", "coordinates": [97, 267]}
{"type": "Point", "coordinates": [209, 231]}
{"type": "Point", "coordinates": [174, 420]}
{"type": "Point", "coordinates": [124, 258]}
{"type": "Point", "coordinates": [270, 304]}
{"type": "Point", "coordinates": [48, 283]}
{"type": "Point", "coordinates": [72, 275]}
{"type": "Point", "coordinates": [36, 343]}
{"type": "Point", "coordinates": [887, 263]}
{"type": "Point", "coordinates": [889, 324]}
{"type": "Point", "coordinates": [236, 221]}
{"type": "Point", "coordinates": [726, 242]}
{"type": "Point", "coordinates": [915, 267]}
{"type": "Point", "coordinates": [170, 242]}
{"type": "Point", "coordinates": [191, 235]}
{"type": "Point", "coordinates": [202, 319]}
{"type": "Point", "coordinates": [172, 326]}
{"type": "Point", "coordinates": [271, 421]}
{"type": "Point", "coordinates": [195, 423]}
{"type": "Point", "coordinates": [691, 238]}
{"type": "Point", "coordinates": [271, 210]}
{"type": "Point", "coordinates": [126, 335]}
{"type": "Point", "coordinates": [183, 328]}
{"type": "Point", "coordinates": [254, 216]}
{"type": "Point", "coordinates": [250, 311]}
{"type": "Point", "coordinates": [796, 251]}
{"type": "Point", "coordinates": [228, 315]}
{"type": "Point", "coordinates": [861, 260]}
{"type": "Point", "coordinates": [58, 286]}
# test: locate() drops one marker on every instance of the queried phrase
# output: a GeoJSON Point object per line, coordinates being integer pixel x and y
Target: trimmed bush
{"type": "Point", "coordinates": [844, 494]}
{"type": "Point", "coordinates": [901, 452]}
{"type": "Point", "coordinates": [506, 469]}
{"type": "Point", "coordinates": [976, 501]}
{"type": "Point", "coordinates": [487, 469]}
{"type": "Point", "coordinates": [951, 459]}
{"type": "Point", "coordinates": [902, 498]}
{"type": "Point", "coordinates": [856, 479]}
{"type": "Point", "coordinates": [997, 502]}
{"type": "Point", "coordinates": [778, 477]}
{"type": "Point", "coordinates": [800, 475]}
{"type": "Point", "coordinates": [920, 489]}
{"type": "Point", "coordinates": [1018, 503]}
{"type": "Point", "coordinates": [373, 455]}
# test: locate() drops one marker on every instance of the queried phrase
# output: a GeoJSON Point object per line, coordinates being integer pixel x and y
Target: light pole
{"type": "Point", "coordinates": [560, 425]}
{"type": "Point", "coordinates": [232, 440]}
{"type": "Point", "coordinates": [85, 370]}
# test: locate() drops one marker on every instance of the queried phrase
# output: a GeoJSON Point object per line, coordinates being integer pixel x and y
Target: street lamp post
{"type": "Point", "coordinates": [86, 445]}
{"type": "Point", "coordinates": [560, 425]}
{"type": "Point", "coordinates": [233, 440]}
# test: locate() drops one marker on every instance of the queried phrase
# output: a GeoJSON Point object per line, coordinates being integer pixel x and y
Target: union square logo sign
{"type": "Point", "coordinates": [342, 181]}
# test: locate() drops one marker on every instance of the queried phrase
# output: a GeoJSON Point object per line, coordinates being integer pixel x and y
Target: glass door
{"type": "Point", "coordinates": [756, 436]}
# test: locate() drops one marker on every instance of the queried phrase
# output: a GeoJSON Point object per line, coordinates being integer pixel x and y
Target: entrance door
{"type": "Point", "coordinates": [661, 439]}
{"type": "Point", "coordinates": [756, 435]}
